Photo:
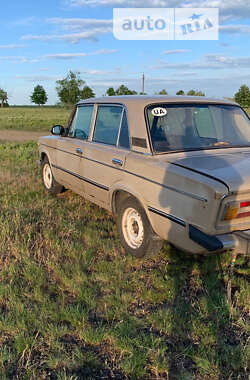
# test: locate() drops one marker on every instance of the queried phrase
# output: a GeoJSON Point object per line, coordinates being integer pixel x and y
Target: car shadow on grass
{"type": "Point", "coordinates": [207, 342]}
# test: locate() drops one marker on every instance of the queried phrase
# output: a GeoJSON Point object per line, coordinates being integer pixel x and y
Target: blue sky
{"type": "Point", "coordinates": [41, 41]}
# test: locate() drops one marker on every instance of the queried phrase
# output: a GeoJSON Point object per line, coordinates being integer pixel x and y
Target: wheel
{"type": "Point", "coordinates": [49, 182]}
{"type": "Point", "coordinates": [135, 231]}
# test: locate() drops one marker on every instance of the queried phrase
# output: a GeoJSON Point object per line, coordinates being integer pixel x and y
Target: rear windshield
{"type": "Point", "coordinates": [181, 127]}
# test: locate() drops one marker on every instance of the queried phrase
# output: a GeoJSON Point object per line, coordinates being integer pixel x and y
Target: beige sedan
{"type": "Point", "coordinates": [175, 169]}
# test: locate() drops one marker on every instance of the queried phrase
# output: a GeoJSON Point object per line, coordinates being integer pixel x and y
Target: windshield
{"type": "Point", "coordinates": [176, 127]}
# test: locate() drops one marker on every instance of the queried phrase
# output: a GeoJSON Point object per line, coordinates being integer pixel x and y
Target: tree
{"type": "Point", "coordinates": [39, 95]}
{"type": "Point", "coordinates": [195, 93]}
{"type": "Point", "coordinates": [163, 92]}
{"type": "Point", "coordinates": [110, 91]}
{"type": "Point", "coordinates": [3, 97]}
{"type": "Point", "coordinates": [123, 90]}
{"type": "Point", "coordinates": [191, 93]}
{"type": "Point", "coordinates": [69, 89]}
{"type": "Point", "coordinates": [200, 93]}
{"type": "Point", "coordinates": [243, 96]}
{"type": "Point", "coordinates": [87, 92]}
{"type": "Point", "coordinates": [180, 92]}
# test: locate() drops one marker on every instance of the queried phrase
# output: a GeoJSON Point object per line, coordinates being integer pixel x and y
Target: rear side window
{"type": "Point", "coordinates": [124, 133]}
{"type": "Point", "coordinates": [108, 123]}
{"type": "Point", "coordinates": [81, 123]}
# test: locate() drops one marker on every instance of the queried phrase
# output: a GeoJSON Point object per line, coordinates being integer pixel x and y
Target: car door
{"type": "Point", "coordinates": [70, 149]}
{"type": "Point", "coordinates": [106, 153]}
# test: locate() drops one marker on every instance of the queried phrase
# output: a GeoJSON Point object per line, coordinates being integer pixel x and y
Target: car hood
{"type": "Point", "coordinates": [232, 169]}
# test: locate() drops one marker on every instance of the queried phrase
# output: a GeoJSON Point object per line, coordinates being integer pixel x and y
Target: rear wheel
{"type": "Point", "coordinates": [135, 231]}
{"type": "Point", "coordinates": [49, 182]}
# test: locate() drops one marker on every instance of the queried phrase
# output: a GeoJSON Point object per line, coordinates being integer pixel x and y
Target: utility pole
{"type": "Point", "coordinates": [143, 83]}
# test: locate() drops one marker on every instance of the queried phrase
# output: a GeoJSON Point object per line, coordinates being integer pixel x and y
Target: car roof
{"type": "Point", "coordinates": [144, 100]}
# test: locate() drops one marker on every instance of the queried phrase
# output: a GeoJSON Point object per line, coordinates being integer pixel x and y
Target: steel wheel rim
{"type": "Point", "coordinates": [132, 228]}
{"type": "Point", "coordinates": [47, 176]}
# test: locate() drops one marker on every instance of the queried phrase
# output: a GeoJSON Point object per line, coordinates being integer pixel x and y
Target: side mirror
{"type": "Point", "coordinates": [57, 130]}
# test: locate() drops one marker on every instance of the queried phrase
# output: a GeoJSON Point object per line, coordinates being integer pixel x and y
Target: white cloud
{"type": "Point", "coordinates": [229, 9]}
{"type": "Point", "coordinates": [230, 62]}
{"type": "Point", "coordinates": [209, 62]}
{"type": "Point", "coordinates": [38, 78]}
{"type": "Point", "coordinates": [119, 3]}
{"type": "Point", "coordinates": [91, 35]}
{"type": "Point", "coordinates": [65, 55]}
{"type": "Point", "coordinates": [62, 56]}
{"type": "Point", "coordinates": [81, 28]}
{"type": "Point", "coordinates": [77, 55]}
{"type": "Point", "coordinates": [27, 21]}
{"type": "Point", "coordinates": [94, 72]}
{"type": "Point", "coordinates": [12, 46]}
{"type": "Point", "coordinates": [177, 51]}
{"type": "Point", "coordinates": [14, 59]}
{"type": "Point", "coordinates": [103, 51]}
{"type": "Point", "coordinates": [80, 23]}
{"type": "Point", "coordinates": [235, 29]}
{"type": "Point", "coordinates": [91, 28]}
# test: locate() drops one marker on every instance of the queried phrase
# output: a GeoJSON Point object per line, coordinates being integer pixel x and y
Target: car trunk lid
{"type": "Point", "coordinates": [231, 169]}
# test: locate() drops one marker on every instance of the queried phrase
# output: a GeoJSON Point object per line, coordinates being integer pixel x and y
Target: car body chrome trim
{"type": "Point", "coordinates": [82, 178]}
{"type": "Point", "coordinates": [168, 216]}
{"type": "Point", "coordinates": [190, 195]}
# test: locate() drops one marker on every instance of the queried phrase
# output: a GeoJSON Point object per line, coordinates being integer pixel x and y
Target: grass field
{"type": "Point", "coordinates": [35, 118]}
{"type": "Point", "coordinates": [32, 118]}
{"type": "Point", "coordinates": [74, 306]}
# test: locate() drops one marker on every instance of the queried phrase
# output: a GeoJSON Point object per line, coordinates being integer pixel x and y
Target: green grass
{"type": "Point", "coordinates": [74, 306]}
{"type": "Point", "coordinates": [32, 118]}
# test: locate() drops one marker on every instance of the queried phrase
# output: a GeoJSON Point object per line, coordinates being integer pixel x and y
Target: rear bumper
{"type": "Point", "coordinates": [238, 241]}
{"type": "Point", "coordinates": [242, 242]}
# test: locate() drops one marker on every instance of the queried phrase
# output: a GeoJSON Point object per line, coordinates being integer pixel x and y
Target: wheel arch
{"type": "Point", "coordinates": [43, 154]}
{"type": "Point", "coordinates": [149, 242]}
{"type": "Point", "coordinates": [120, 193]}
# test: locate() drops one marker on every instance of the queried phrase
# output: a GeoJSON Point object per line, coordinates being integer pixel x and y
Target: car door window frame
{"type": "Point", "coordinates": [123, 114]}
{"type": "Point", "coordinates": [92, 122]}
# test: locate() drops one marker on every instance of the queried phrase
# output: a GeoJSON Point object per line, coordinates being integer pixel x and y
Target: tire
{"type": "Point", "coordinates": [135, 231]}
{"type": "Point", "coordinates": [49, 182]}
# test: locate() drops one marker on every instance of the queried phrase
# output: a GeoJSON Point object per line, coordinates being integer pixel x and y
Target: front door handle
{"type": "Point", "coordinates": [78, 150]}
{"type": "Point", "coordinates": [116, 161]}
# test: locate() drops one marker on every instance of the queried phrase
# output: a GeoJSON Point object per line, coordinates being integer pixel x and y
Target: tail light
{"type": "Point", "coordinates": [236, 210]}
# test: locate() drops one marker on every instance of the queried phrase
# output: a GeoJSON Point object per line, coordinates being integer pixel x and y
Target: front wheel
{"type": "Point", "coordinates": [49, 182]}
{"type": "Point", "coordinates": [135, 231]}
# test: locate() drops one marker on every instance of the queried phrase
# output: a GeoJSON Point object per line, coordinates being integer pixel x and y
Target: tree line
{"type": "Point", "coordinates": [72, 88]}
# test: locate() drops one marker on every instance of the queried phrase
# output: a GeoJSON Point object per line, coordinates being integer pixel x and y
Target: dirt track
{"type": "Point", "coordinates": [20, 136]}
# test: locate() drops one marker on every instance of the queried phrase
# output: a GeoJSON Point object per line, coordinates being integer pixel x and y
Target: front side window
{"type": "Point", "coordinates": [81, 123]}
{"type": "Point", "coordinates": [108, 123]}
{"type": "Point", "coordinates": [197, 126]}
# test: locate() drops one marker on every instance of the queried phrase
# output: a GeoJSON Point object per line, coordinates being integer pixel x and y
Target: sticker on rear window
{"type": "Point", "coordinates": [159, 111]}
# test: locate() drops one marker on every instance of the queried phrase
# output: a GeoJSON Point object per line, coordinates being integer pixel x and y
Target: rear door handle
{"type": "Point", "coordinates": [116, 161]}
{"type": "Point", "coordinates": [78, 150]}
